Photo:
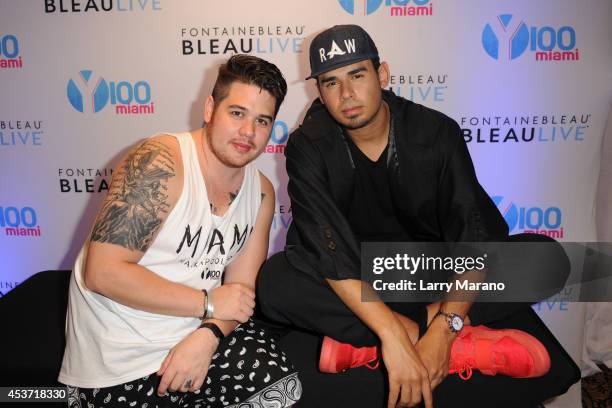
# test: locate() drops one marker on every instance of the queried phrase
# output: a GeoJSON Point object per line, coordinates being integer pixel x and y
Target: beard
{"type": "Point", "coordinates": [358, 123]}
{"type": "Point", "coordinates": [223, 151]}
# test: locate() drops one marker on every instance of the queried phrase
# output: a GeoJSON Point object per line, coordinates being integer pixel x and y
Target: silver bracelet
{"type": "Point", "coordinates": [210, 308]}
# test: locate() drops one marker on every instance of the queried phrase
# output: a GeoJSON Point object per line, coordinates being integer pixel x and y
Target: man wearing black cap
{"type": "Point", "coordinates": [369, 166]}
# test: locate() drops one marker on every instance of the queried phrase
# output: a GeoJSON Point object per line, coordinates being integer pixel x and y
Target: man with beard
{"type": "Point", "coordinates": [369, 166]}
{"type": "Point", "coordinates": [150, 322]}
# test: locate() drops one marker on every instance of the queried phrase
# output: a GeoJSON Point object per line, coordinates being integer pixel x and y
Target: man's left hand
{"type": "Point", "coordinates": [434, 349]}
{"type": "Point", "coordinates": [186, 365]}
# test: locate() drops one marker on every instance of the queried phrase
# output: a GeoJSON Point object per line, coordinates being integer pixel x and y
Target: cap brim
{"type": "Point", "coordinates": [341, 64]}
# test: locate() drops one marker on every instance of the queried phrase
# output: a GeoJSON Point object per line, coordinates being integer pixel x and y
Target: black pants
{"type": "Point", "coordinates": [248, 370]}
{"type": "Point", "coordinates": [289, 297]}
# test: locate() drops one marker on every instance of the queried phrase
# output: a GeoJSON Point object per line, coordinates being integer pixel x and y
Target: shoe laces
{"type": "Point", "coordinates": [464, 360]}
{"type": "Point", "coordinates": [373, 365]}
{"type": "Point", "coordinates": [467, 364]}
{"type": "Point", "coordinates": [465, 373]}
{"type": "Point", "coordinates": [358, 360]}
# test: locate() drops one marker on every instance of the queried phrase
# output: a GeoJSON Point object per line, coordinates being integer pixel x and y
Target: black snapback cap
{"type": "Point", "coordinates": [339, 46]}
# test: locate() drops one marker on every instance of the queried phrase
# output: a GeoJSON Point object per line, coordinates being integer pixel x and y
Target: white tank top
{"type": "Point", "coordinates": [108, 343]}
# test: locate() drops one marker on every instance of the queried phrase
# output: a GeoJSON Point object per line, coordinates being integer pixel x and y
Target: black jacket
{"type": "Point", "coordinates": [432, 179]}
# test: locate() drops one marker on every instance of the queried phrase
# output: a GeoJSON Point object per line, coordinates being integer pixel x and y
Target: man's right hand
{"type": "Point", "coordinates": [233, 301]}
{"type": "Point", "coordinates": [408, 378]}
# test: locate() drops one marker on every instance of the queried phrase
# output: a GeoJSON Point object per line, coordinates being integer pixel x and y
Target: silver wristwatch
{"type": "Point", "coordinates": [455, 322]}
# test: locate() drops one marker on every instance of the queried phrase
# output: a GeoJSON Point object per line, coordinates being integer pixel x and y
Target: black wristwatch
{"type": "Point", "coordinates": [215, 329]}
{"type": "Point", "coordinates": [455, 322]}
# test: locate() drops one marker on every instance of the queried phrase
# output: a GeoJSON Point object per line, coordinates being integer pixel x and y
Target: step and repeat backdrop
{"type": "Point", "coordinates": [530, 84]}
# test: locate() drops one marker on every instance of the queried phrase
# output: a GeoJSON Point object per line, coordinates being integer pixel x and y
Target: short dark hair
{"type": "Point", "coordinates": [250, 70]}
{"type": "Point", "coordinates": [376, 63]}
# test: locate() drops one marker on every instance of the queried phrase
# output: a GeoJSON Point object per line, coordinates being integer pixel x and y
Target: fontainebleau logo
{"type": "Point", "coordinates": [397, 8]}
{"type": "Point", "coordinates": [527, 128]}
{"type": "Point", "coordinates": [90, 93]}
{"type": "Point", "coordinates": [19, 133]}
{"type": "Point", "coordinates": [282, 217]}
{"type": "Point", "coordinates": [9, 52]}
{"type": "Point", "coordinates": [508, 37]}
{"type": "Point", "coordinates": [84, 180]}
{"type": "Point", "coordinates": [246, 39]}
{"type": "Point", "coordinates": [100, 6]}
{"type": "Point", "coordinates": [420, 87]}
{"type": "Point", "coordinates": [19, 222]}
{"type": "Point", "coordinates": [531, 220]}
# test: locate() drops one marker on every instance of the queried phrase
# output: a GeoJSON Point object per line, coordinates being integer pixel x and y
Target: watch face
{"type": "Point", "coordinates": [456, 323]}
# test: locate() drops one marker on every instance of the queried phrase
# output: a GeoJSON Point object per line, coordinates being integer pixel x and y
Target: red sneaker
{"type": "Point", "coordinates": [338, 357]}
{"type": "Point", "coordinates": [510, 352]}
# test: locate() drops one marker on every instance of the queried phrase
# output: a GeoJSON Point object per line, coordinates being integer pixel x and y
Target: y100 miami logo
{"type": "Point", "coordinates": [278, 138]}
{"type": "Point", "coordinates": [508, 38]}
{"type": "Point", "coordinates": [90, 93]}
{"type": "Point", "coordinates": [531, 220]}
{"type": "Point", "coordinates": [398, 8]}
{"type": "Point", "coordinates": [19, 222]}
{"type": "Point", "coordinates": [9, 52]}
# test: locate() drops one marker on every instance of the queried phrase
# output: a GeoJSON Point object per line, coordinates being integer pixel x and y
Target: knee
{"type": "Point", "coordinates": [551, 258]}
{"type": "Point", "coordinates": [270, 276]}
{"type": "Point", "coordinates": [526, 237]}
{"type": "Point", "coordinates": [556, 259]}
{"type": "Point", "coordinates": [259, 362]}
{"type": "Point", "coordinates": [273, 286]}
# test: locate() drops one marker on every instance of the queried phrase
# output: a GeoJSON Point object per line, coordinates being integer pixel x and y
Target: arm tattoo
{"type": "Point", "coordinates": [263, 196]}
{"type": "Point", "coordinates": [138, 199]}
